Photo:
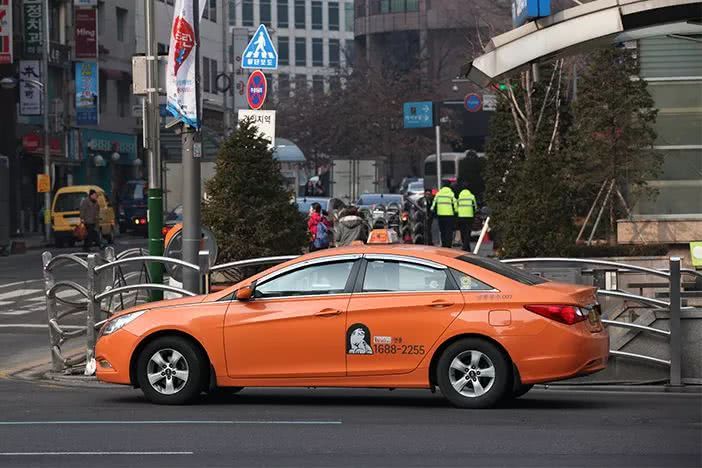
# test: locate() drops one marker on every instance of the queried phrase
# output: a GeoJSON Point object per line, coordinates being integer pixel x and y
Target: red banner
{"type": "Point", "coordinates": [86, 37]}
{"type": "Point", "coordinates": [5, 31]}
{"type": "Point", "coordinates": [32, 143]}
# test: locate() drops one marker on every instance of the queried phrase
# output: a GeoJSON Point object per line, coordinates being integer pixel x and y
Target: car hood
{"type": "Point", "coordinates": [164, 303]}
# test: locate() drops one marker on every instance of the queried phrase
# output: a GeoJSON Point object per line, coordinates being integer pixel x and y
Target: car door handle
{"type": "Point", "coordinates": [439, 304]}
{"type": "Point", "coordinates": [328, 313]}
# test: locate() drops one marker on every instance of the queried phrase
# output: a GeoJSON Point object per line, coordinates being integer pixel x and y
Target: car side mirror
{"type": "Point", "coordinates": [244, 294]}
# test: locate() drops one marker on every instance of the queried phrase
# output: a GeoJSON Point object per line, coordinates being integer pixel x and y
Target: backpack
{"type": "Point", "coordinates": [321, 238]}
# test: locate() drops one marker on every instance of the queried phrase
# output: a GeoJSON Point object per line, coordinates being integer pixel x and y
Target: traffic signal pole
{"type": "Point", "coordinates": [45, 51]}
{"type": "Point", "coordinates": [155, 194]}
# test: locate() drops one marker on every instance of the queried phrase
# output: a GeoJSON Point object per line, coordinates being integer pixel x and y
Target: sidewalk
{"type": "Point", "coordinates": [28, 241]}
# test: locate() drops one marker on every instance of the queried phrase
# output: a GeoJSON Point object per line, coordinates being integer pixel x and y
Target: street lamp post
{"type": "Point", "coordinates": [47, 148]}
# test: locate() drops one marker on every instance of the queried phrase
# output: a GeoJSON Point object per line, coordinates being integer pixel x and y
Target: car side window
{"type": "Point", "coordinates": [468, 283]}
{"type": "Point", "coordinates": [328, 278]}
{"type": "Point", "coordinates": [386, 276]}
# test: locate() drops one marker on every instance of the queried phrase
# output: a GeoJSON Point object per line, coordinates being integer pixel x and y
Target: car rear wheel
{"type": "Point", "coordinates": [473, 373]}
{"type": "Point", "coordinates": [169, 371]}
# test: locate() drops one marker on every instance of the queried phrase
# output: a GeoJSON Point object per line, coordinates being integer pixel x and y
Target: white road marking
{"type": "Point", "coordinates": [17, 283]}
{"type": "Point", "coordinates": [50, 423]}
{"type": "Point", "coordinates": [21, 292]}
{"type": "Point", "coordinates": [19, 312]}
{"type": "Point", "coordinates": [38, 325]}
{"type": "Point", "coordinates": [39, 454]}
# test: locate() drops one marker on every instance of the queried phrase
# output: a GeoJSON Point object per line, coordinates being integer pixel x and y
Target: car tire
{"type": "Point", "coordinates": [521, 390]}
{"type": "Point", "coordinates": [473, 373]}
{"type": "Point", "coordinates": [180, 382]}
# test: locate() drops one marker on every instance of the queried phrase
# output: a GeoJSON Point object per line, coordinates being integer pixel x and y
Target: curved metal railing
{"type": "Point", "coordinates": [674, 307]}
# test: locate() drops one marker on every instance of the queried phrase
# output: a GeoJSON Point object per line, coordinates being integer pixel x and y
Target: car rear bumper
{"type": "Point", "coordinates": [113, 356]}
{"type": "Point", "coordinates": [573, 352]}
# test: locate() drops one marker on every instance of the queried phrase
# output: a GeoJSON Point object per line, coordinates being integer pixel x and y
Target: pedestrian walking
{"type": "Point", "coordinates": [318, 226]}
{"type": "Point", "coordinates": [467, 207]}
{"type": "Point", "coordinates": [350, 227]}
{"type": "Point", "coordinates": [444, 206]}
{"type": "Point", "coordinates": [90, 217]}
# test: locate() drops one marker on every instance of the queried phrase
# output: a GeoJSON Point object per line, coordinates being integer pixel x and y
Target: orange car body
{"type": "Point", "coordinates": [302, 341]}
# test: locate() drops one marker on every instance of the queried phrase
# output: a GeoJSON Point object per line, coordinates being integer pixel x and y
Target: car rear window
{"type": "Point", "coordinates": [69, 201]}
{"type": "Point", "coordinates": [503, 269]}
{"type": "Point", "coordinates": [366, 200]}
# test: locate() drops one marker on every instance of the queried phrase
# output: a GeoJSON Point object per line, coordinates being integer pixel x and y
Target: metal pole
{"type": "Point", "coordinates": [482, 236]}
{"type": "Point", "coordinates": [92, 311]}
{"type": "Point", "coordinates": [54, 336]}
{"type": "Point", "coordinates": [155, 194]}
{"type": "Point", "coordinates": [203, 260]}
{"type": "Point", "coordinates": [675, 328]}
{"type": "Point", "coordinates": [599, 215]}
{"type": "Point", "coordinates": [438, 154]}
{"type": "Point", "coordinates": [47, 150]}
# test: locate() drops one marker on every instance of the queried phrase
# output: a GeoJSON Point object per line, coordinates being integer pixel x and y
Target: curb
{"type": "Point", "coordinates": [684, 389]}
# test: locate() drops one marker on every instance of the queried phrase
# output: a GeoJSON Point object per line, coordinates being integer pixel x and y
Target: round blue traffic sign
{"type": "Point", "coordinates": [256, 89]}
{"type": "Point", "coordinates": [473, 102]}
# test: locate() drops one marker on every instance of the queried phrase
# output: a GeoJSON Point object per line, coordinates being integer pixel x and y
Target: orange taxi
{"type": "Point", "coordinates": [384, 316]}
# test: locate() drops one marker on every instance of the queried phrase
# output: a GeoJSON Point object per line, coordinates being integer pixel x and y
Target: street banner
{"type": "Point", "coordinates": [263, 119]}
{"type": "Point", "coordinates": [5, 31]}
{"type": "Point", "coordinates": [33, 12]}
{"type": "Point", "coordinates": [180, 69]}
{"type": "Point", "coordinates": [87, 93]}
{"type": "Point", "coordinates": [86, 37]}
{"type": "Point", "coordinates": [30, 87]}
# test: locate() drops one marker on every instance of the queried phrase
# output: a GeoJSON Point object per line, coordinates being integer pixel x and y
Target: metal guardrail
{"type": "Point", "coordinates": [674, 306]}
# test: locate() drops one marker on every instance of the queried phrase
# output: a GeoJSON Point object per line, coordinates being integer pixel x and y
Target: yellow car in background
{"type": "Point", "coordinates": [65, 213]}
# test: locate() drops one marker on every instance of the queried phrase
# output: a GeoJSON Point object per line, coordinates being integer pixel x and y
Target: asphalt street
{"type": "Point", "coordinates": [23, 329]}
{"type": "Point", "coordinates": [50, 425]}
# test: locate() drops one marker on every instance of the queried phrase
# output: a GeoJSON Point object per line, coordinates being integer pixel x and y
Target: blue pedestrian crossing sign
{"type": "Point", "coordinates": [260, 53]}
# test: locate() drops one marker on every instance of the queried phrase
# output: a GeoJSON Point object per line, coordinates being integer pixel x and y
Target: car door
{"type": "Point", "coordinates": [294, 326]}
{"type": "Point", "coordinates": [400, 307]}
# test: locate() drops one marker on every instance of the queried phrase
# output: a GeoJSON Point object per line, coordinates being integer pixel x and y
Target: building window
{"type": "Point", "coordinates": [361, 8]}
{"type": "Point", "coordinates": [317, 53]}
{"type": "Point", "coordinates": [333, 16]}
{"type": "Point", "coordinates": [334, 83]}
{"type": "Point", "coordinates": [232, 12]}
{"type": "Point", "coordinates": [318, 84]}
{"type": "Point", "coordinates": [334, 53]}
{"type": "Point", "coordinates": [123, 98]}
{"type": "Point", "coordinates": [412, 5]}
{"type": "Point", "coordinates": [247, 13]}
{"type": "Point", "coordinates": [210, 11]}
{"type": "Point", "coordinates": [206, 74]}
{"type": "Point", "coordinates": [317, 15]}
{"type": "Point", "coordinates": [300, 52]}
{"type": "Point", "coordinates": [300, 21]}
{"type": "Point", "coordinates": [162, 48]}
{"type": "Point", "coordinates": [283, 50]}
{"type": "Point", "coordinates": [121, 14]}
{"type": "Point", "coordinates": [282, 13]}
{"type": "Point", "coordinates": [283, 85]}
{"type": "Point", "coordinates": [213, 76]}
{"type": "Point", "coordinates": [348, 16]}
{"type": "Point", "coordinates": [300, 82]}
{"type": "Point", "coordinates": [265, 12]}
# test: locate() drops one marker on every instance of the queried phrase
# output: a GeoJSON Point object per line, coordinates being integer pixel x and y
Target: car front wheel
{"type": "Point", "coordinates": [473, 373]}
{"type": "Point", "coordinates": [169, 371]}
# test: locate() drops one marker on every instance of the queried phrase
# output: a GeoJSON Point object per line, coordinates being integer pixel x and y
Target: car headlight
{"type": "Point", "coordinates": [115, 324]}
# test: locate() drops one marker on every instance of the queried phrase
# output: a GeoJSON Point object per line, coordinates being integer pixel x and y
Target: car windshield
{"type": "Point", "coordinates": [133, 191]}
{"type": "Point", "coordinates": [416, 187]}
{"type": "Point", "coordinates": [379, 199]}
{"type": "Point", "coordinates": [504, 269]}
{"type": "Point", "coordinates": [176, 214]}
{"type": "Point", "coordinates": [303, 204]}
{"type": "Point", "coordinates": [69, 201]}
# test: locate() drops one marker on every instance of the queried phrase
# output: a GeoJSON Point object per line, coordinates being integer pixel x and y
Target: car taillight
{"type": "Point", "coordinates": [165, 229]}
{"type": "Point", "coordinates": [567, 314]}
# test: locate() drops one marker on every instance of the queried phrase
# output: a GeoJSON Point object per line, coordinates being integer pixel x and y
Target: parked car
{"type": "Point", "coordinates": [389, 316]}
{"type": "Point", "coordinates": [65, 213]}
{"type": "Point", "coordinates": [330, 205]}
{"type": "Point", "coordinates": [132, 207]}
{"type": "Point", "coordinates": [415, 190]}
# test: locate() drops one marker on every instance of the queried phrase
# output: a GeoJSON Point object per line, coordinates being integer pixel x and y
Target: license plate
{"type": "Point", "coordinates": [72, 220]}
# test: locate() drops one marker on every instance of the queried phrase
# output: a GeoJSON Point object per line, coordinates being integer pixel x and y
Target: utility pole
{"type": "Point", "coordinates": [192, 232]}
{"type": "Point", "coordinates": [151, 116]}
{"type": "Point", "coordinates": [47, 148]}
{"type": "Point", "coordinates": [437, 128]}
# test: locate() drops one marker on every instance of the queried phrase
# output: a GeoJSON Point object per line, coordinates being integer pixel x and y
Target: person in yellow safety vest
{"type": "Point", "coordinates": [444, 206]}
{"type": "Point", "coordinates": [467, 207]}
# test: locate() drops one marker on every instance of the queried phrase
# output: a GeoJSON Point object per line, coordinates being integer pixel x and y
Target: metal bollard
{"type": "Point", "coordinates": [203, 261]}
{"type": "Point", "coordinates": [675, 327]}
{"type": "Point", "coordinates": [54, 336]}
{"type": "Point", "coordinates": [93, 309]}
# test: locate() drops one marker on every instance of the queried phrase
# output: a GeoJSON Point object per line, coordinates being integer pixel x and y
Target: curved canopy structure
{"type": "Point", "coordinates": [588, 25]}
